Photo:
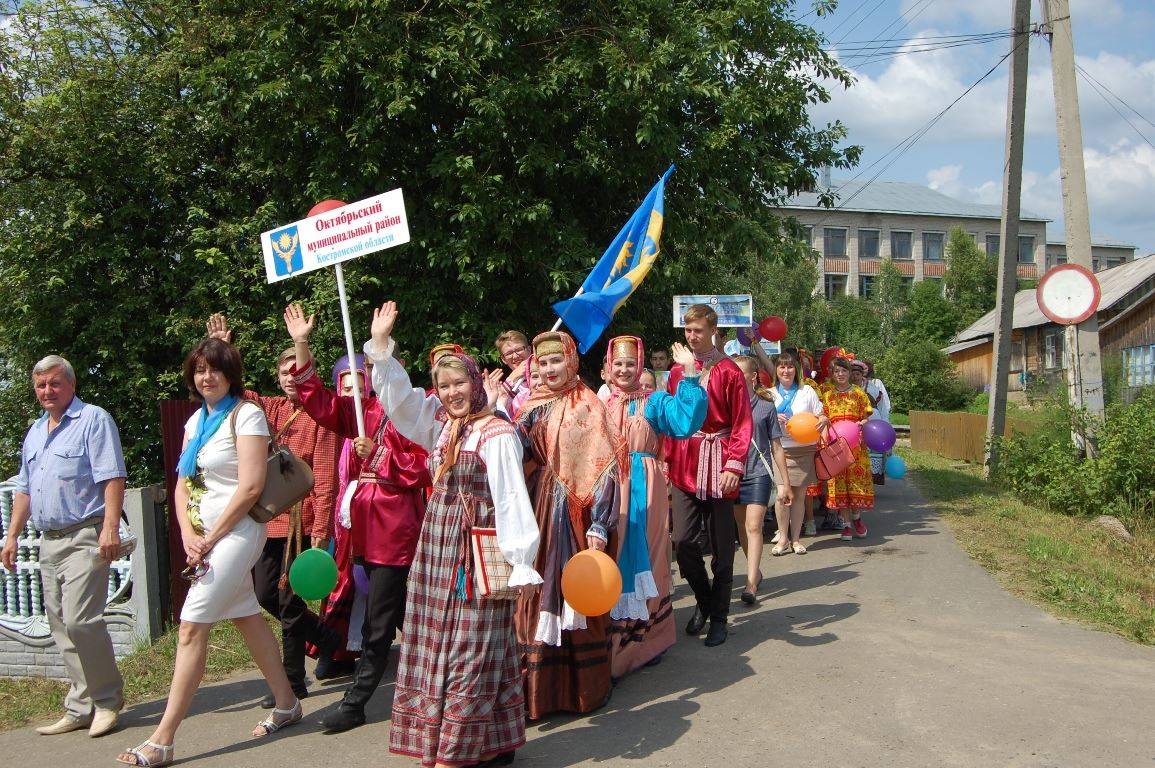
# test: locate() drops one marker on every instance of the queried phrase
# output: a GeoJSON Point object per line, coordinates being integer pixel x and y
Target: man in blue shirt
{"type": "Point", "coordinates": [71, 486]}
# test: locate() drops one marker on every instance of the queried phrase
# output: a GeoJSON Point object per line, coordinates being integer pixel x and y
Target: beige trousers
{"type": "Point", "coordinates": [75, 579]}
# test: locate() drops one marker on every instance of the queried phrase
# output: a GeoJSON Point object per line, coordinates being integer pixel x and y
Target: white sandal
{"type": "Point", "coordinates": [270, 725]}
{"type": "Point", "coordinates": [166, 755]}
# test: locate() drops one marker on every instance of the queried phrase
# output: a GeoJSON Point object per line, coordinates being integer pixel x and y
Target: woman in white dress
{"type": "Point", "coordinates": [221, 475]}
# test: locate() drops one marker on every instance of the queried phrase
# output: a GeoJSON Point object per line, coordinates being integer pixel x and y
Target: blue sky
{"type": "Point", "coordinates": [963, 154]}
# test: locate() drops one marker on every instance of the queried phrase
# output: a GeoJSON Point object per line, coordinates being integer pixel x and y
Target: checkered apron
{"type": "Point", "coordinates": [459, 689]}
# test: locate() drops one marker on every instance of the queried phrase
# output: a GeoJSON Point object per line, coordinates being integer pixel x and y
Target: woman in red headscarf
{"type": "Point", "coordinates": [582, 457]}
{"type": "Point", "coordinates": [459, 698]}
{"type": "Point", "coordinates": [643, 620]}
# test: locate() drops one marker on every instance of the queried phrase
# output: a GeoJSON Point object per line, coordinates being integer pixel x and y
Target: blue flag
{"type": "Point", "coordinates": [618, 272]}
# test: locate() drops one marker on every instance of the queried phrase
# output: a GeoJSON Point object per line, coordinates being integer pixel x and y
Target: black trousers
{"type": "Point", "coordinates": [299, 625]}
{"type": "Point", "coordinates": [384, 610]}
{"type": "Point", "coordinates": [700, 524]}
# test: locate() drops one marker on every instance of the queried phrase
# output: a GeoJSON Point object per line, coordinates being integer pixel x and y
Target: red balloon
{"type": "Point", "coordinates": [325, 206]}
{"type": "Point", "coordinates": [773, 328]}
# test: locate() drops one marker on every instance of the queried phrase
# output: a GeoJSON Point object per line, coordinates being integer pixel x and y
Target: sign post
{"type": "Point", "coordinates": [335, 232]}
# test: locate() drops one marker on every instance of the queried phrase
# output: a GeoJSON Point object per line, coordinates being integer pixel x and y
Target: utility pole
{"type": "Point", "coordinates": [1009, 232]}
{"type": "Point", "coordinates": [1085, 380]}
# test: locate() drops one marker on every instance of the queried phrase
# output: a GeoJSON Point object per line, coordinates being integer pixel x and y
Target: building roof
{"type": "Point", "coordinates": [1114, 283]}
{"type": "Point", "coordinates": [901, 197]}
{"type": "Point", "coordinates": [1100, 242]}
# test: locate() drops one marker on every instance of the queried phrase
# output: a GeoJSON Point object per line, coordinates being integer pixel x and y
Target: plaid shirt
{"type": "Point", "coordinates": [317, 447]}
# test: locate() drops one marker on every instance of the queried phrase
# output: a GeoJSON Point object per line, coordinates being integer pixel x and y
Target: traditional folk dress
{"type": "Point", "coordinates": [344, 609]}
{"type": "Point", "coordinates": [880, 402]}
{"type": "Point", "coordinates": [565, 655]}
{"type": "Point", "coordinates": [854, 488]}
{"type": "Point", "coordinates": [458, 696]}
{"type": "Point", "coordinates": [643, 620]}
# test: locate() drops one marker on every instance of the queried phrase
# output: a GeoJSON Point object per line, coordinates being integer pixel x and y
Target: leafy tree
{"type": "Point", "coordinates": [929, 315]}
{"type": "Point", "coordinates": [856, 325]}
{"type": "Point", "coordinates": [891, 299]}
{"type": "Point", "coordinates": [919, 376]}
{"type": "Point", "coordinates": [971, 277]}
{"type": "Point", "coordinates": [145, 145]}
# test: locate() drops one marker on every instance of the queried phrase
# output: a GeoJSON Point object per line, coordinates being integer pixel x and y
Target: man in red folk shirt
{"type": "Point", "coordinates": [705, 470]}
{"type": "Point", "coordinates": [317, 447]}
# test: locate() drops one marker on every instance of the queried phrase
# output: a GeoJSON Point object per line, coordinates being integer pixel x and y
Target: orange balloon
{"type": "Point", "coordinates": [591, 582]}
{"type": "Point", "coordinates": [803, 427]}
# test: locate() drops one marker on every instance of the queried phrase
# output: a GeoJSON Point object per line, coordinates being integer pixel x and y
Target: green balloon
{"type": "Point", "coordinates": [313, 574]}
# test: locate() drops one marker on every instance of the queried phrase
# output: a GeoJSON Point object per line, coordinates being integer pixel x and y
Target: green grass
{"type": "Point", "coordinates": [1068, 565]}
{"type": "Point", "coordinates": [901, 419]}
{"type": "Point", "coordinates": [147, 674]}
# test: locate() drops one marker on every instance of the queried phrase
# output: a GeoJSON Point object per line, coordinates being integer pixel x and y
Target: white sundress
{"type": "Point", "coordinates": [226, 590]}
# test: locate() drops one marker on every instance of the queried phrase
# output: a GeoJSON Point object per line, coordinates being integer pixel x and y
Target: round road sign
{"type": "Point", "coordinates": [1068, 294]}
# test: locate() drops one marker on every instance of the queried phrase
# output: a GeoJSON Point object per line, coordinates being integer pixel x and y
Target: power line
{"type": "Point", "coordinates": [1110, 104]}
{"type": "Point", "coordinates": [1117, 96]}
{"type": "Point", "coordinates": [925, 5]}
{"type": "Point", "coordinates": [906, 144]}
{"type": "Point", "coordinates": [860, 22]}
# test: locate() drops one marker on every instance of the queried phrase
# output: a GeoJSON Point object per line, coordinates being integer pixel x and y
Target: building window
{"type": "Point", "coordinates": [907, 285]}
{"type": "Point", "coordinates": [932, 246]}
{"type": "Point", "coordinates": [1139, 366]}
{"type": "Point", "coordinates": [992, 245]}
{"type": "Point", "coordinates": [974, 237]}
{"type": "Point", "coordinates": [866, 286]}
{"type": "Point", "coordinates": [1054, 356]}
{"type": "Point", "coordinates": [1115, 261]}
{"type": "Point", "coordinates": [1026, 249]}
{"type": "Point", "coordinates": [834, 243]}
{"type": "Point", "coordinates": [1057, 260]}
{"type": "Point", "coordinates": [835, 286]}
{"type": "Point", "coordinates": [808, 233]}
{"type": "Point", "coordinates": [868, 243]}
{"type": "Point", "coordinates": [900, 245]}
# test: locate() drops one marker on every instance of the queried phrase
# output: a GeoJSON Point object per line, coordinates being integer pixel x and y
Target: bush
{"type": "Point", "coordinates": [1046, 468]}
{"type": "Point", "coordinates": [919, 376]}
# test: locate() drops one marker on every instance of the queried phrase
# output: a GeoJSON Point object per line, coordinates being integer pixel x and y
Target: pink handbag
{"type": "Point", "coordinates": [833, 458]}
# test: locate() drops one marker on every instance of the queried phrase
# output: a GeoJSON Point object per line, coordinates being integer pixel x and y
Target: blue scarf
{"type": "Point", "coordinates": [206, 428]}
{"type": "Point", "coordinates": [787, 404]}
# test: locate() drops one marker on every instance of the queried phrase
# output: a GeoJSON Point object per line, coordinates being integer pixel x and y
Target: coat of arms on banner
{"type": "Point", "coordinates": [287, 247]}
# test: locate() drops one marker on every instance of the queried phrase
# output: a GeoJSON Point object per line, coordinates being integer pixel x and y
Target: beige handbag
{"type": "Point", "coordinates": [288, 479]}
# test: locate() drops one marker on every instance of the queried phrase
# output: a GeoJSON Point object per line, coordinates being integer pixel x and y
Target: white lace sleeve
{"type": "Point", "coordinates": [412, 412]}
{"type": "Point", "coordinates": [517, 533]}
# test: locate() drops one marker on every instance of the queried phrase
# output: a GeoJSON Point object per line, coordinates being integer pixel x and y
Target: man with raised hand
{"type": "Point", "coordinates": [705, 471]}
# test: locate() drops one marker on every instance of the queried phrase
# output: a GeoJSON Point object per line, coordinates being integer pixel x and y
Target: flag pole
{"type": "Point", "coordinates": [349, 350]}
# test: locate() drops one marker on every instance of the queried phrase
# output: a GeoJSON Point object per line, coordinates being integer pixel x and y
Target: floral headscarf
{"type": "Point", "coordinates": [457, 428]}
{"type": "Point", "coordinates": [579, 442]}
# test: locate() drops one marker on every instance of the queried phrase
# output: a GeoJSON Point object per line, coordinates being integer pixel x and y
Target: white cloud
{"type": "Point", "coordinates": [1120, 188]}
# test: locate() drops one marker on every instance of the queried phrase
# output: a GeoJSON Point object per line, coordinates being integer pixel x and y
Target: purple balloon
{"type": "Point", "coordinates": [880, 436]}
{"type": "Point", "coordinates": [361, 579]}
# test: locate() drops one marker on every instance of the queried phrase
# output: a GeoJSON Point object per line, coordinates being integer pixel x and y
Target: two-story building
{"type": "Point", "coordinates": [910, 224]}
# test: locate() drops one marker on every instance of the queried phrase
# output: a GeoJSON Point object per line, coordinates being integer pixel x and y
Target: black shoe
{"type": "Point", "coordinates": [505, 758]}
{"type": "Point", "coordinates": [270, 701]}
{"type": "Point", "coordinates": [717, 634]}
{"type": "Point", "coordinates": [656, 660]}
{"type": "Point", "coordinates": [696, 623]}
{"type": "Point", "coordinates": [748, 598]}
{"type": "Point", "coordinates": [327, 669]}
{"type": "Point", "coordinates": [343, 719]}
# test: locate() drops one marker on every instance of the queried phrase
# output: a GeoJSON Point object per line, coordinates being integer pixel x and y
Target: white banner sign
{"type": "Point", "coordinates": [734, 310]}
{"type": "Point", "coordinates": [329, 238]}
